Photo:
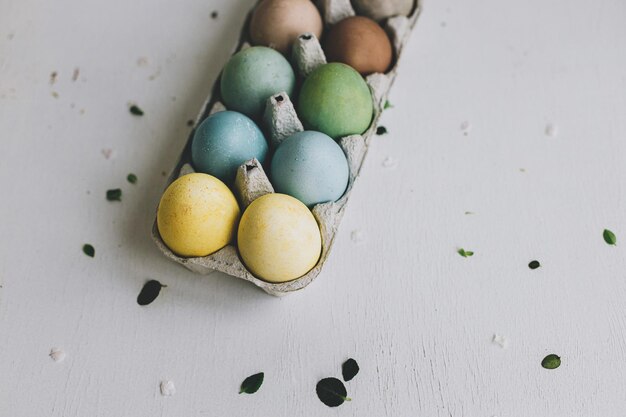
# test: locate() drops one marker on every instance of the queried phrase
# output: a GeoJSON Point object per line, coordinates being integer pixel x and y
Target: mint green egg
{"type": "Point", "coordinates": [336, 100]}
{"type": "Point", "coordinates": [253, 75]}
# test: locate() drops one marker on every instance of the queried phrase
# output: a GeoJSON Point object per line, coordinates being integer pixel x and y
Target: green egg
{"type": "Point", "coordinates": [336, 100]}
{"type": "Point", "coordinates": [253, 75]}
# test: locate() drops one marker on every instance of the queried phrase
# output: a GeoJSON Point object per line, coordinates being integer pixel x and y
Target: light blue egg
{"type": "Point", "coordinates": [311, 167]}
{"type": "Point", "coordinates": [223, 142]}
{"type": "Point", "coordinates": [253, 75]}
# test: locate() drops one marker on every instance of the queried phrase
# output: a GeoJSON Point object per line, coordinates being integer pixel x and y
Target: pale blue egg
{"type": "Point", "coordinates": [223, 142]}
{"type": "Point", "coordinates": [311, 167]}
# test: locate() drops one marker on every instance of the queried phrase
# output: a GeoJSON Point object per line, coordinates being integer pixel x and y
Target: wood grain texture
{"type": "Point", "coordinates": [417, 317]}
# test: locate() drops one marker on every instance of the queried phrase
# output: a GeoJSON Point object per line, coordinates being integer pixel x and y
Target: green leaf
{"type": "Point", "coordinates": [551, 362]}
{"type": "Point", "coordinates": [135, 110]}
{"type": "Point", "coordinates": [331, 392]}
{"type": "Point", "coordinates": [114, 195]}
{"type": "Point", "coordinates": [387, 105]}
{"type": "Point", "coordinates": [609, 237]}
{"type": "Point", "coordinates": [251, 384]}
{"type": "Point", "coordinates": [132, 178]}
{"type": "Point", "coordinates": [89, 250]}
{"type": "Point", "coordinates": [381, 130]}
{"type": "Point", "coordinates": [149, 292]}
{"type": "Point", "coordinates": [349, 369]}
{"type": "Point", "coordinates": [465, 253]}
{"type": "Point", "coordinates": [534, 264]}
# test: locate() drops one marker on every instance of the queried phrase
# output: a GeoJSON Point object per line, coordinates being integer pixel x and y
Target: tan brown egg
{"type": "Point", "coordinates": [382, 9]}
{"type": "Point", "coordinates": [277, 23]}
{"type": "Point", "coordinates": [361, 43]}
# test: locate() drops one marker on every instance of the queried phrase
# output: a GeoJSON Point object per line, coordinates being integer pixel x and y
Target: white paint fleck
{"type": "Point", "coordinates": [107, 153]}
{"type": "Point", "coordinates": [466, 127]}
{"type": "Point", "coordinates": [357, 236]}
{"type": "Point", "coordinates": [500, 340]}
{"type": "Point", "coordinates": [390, 162]}
{"type": "Point", "coordinates": [57, 354]}
{"type": "Point", "coordinates": [551, 130]}
{"type": "Point", "coordinates": [156, 74]}
{"type": "Point", "coordinates": [167, 388]}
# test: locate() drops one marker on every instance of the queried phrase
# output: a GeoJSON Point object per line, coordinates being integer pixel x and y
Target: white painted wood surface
{"type": "Point", "coordinates": [395, 295]}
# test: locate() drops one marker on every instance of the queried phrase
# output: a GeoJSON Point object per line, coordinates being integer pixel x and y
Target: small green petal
{"type": "Point", "coordinates": [551, 361]}
{"type": "Point", "coordinates": [89, 250]}
{"type": "Point", "coordinates": [609, 237]}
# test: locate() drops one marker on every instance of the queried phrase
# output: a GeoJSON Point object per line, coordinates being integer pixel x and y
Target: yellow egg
{"type": "Point", "coordinates": [279, 239]}
{"type": "Point", "coordinates": [197, 215]}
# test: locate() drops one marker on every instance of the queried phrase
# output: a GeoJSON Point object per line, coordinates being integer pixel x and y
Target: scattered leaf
{"type": "Point", "coordinates": [387, 105]}
{"type": "Point", "coordinates": [135, 110]}
{"type": "Point", "coordinates": [464, 253]}
{"type": "Point", "coordinates": [89, 250]}
{"type": "Point", "coordinates": [381, 130]}
{"type": "Point", "coordinates": [551, 362]}
{"type": "Point", "coordinates": [349, 369]}
{"type": "Point", "coordinates": [534, 264]}
{"type": "Point", "coordinates": [609, 237]}
{"type": "Point", "coordinates": [132, 178]}
{"type": "Point", "coordinates": [114, 195]}
{"type": "Point", "coordinates": [251, 384]}
{"type": "Point", "coordinates": [149, 292]}
{"type": "Point", "coordinates": [331, 392]}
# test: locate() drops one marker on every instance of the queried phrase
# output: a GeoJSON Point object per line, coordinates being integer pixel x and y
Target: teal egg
{"type": "Point", "coordinates": [253, 75]}
{"type": "Point", "coordinates": [336, 100]}
{"type": "Point", "coordinates": [311, 167]}
{"type": "Point", "coordinates": [223, 142]}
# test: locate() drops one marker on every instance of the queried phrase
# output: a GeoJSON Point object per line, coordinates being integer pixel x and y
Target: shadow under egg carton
{"type": "Point", "coordinates": [281, 121]}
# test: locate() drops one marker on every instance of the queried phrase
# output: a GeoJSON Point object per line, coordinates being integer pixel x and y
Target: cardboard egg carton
{"type": "Point", "coordinates": [281, 121]}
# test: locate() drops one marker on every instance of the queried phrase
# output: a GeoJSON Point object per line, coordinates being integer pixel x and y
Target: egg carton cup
{"type": "Point", "coordinates": [281, 121]}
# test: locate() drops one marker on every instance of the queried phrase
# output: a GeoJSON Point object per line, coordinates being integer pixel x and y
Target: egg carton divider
{"type": "Point", "coordinates": [280, 121]}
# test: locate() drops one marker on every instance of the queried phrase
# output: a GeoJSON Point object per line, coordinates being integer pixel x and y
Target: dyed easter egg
{"type": "Point", "coordinates": [361, 43]}
{"type": "Point", "coordinates": [197, 215]}
{"type": "Point", "coordinates": [335, 100]}
{"type": "Point", "coordinates": [277, 23]}
{"type": "Point", "coordinates": [278, 238]}
{"type": "Point", "coordinates": [382, 9]}
{"type": "Point", "coordinates": [311, 167]}
{"type": "Point", "coordinates": [224, 141]}
{"type": "Point", "coordinates": [253, 75]}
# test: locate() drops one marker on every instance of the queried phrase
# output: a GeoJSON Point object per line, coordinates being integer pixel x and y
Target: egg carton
{"type": "Point", "coordinates": [281, 121]}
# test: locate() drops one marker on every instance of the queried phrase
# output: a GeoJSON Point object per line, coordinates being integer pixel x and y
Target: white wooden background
{"type": "Point", "coordinates": [395, 295]}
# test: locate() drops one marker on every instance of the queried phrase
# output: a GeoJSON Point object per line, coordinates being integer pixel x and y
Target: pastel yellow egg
{"type": "Point", "coordinates": [197, 215]}
{"type": "Point", "coordinates": [279, 239]}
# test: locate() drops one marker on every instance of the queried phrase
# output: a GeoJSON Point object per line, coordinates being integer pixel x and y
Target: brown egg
{"type": "Point", "coordinates": [361, 43]}
{"type": "Point", "coordinates": [277, 23]}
